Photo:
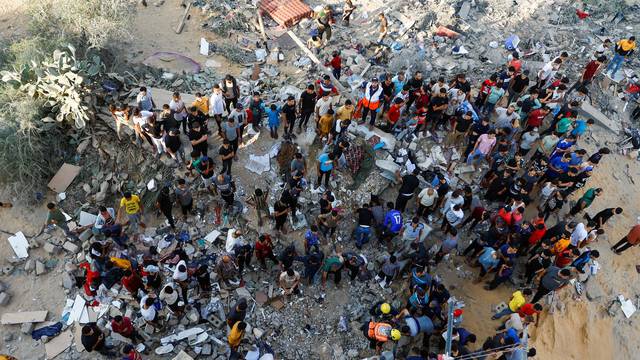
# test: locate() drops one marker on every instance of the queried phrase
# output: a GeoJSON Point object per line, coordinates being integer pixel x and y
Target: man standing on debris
{"type": "Point", "coordinates": [378, 333]}
{"type": "Point", "coordinates": [306, 106]}
{"type": "Point", "coordinates": [289, 112]}
{"type": "Point", "coordinates": [408, 185]}
{"type": "Point", "coordinates": [198, 138]}
{"type": "Point", "coordinates": [164, 203]}
{"type": "Point", "coordinates": [590, 71]}
{"type": "Point", "coordinates": [132, 205]}
{"type": "Point", "coordinates": [179, 110]}
{"type": "Point", "coordinates": [231, 132]}
{"type": "Point", "coordinates": [624, 48]}
{"type": "Point", "coordinates": [122, 325]}
{"type": "Point", "coordinates": [236, 335]}
{"type": "Point", "coordinates": [216, 106]}
{"type": "Point", "coordinates": [289, 281]}
{"type": "Point", "coordinates": [323, 22]}
{"type": "Point", "coordinates": [55, 217]}
{"type": "Point", "coordinates": [237, 313]}
{"type": "Point", "coordinates": [230, 92]}
{"type": "Point", "coordinates": [144, 100]}
{"type": "Point", "coordinates": [370, 101]}
{"type": "Point", "coordinates": [347, 10]}
{"type": "Point", "coordinates": [174, 146]}
{"type": "Point", "coordinates": [226, 156]}
{"type": "Point", "coordinates": [384, 28]}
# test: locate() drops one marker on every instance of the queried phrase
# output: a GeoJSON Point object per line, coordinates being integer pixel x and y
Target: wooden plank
{"type": "Point", "coordinates": [64, 177]}
{"type": "Point", "coordinates": [58, 344]}
{"type": "Point", "coordinates": [315, 59]}
{"type": "Point", "coordinates": [184, 18]}
{"type": "Point", "coordinates": [24, 317]}
{"type": "Point", "coordinates": [261, 24]}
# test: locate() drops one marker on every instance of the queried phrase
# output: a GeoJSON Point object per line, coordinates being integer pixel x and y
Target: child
{"type": "Point", "coordinates": [273, 114]}
{"type": "Point", "coordinates": [336, 65]}
{"type": "Point", "coordinates": [315, 44]}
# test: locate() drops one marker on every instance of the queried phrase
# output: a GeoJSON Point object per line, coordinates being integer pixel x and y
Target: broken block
{"type": "Point", "coordinates": [4, 298]}
{"type": "Point", "coordinates": [243, 293]}
{"type": "Point", "coordinates": [27, 327]}
{"type": "Point", "coordinates": [40, 268]}
{"type": "Point", "coordinates": [71, 247]}
{"type": "Point", "coordinates": [50, 248]}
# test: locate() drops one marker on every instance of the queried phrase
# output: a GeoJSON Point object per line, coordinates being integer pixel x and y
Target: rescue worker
{"type": "Point", "coordinates": [383, 311]}
{"type": "Point", "coordinates": [379, 333]}
{"type": "Point", "coordinates": [371, 100]}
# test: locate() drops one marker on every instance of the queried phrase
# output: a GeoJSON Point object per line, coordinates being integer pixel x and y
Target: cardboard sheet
{"type": "Point", "coordinates": [58, 344]}
{"type": "Point", "coordinates": [64, 177]}
{"type": "Point", "coordinates": [23, 317]}
{"type": "Point", "coordinates": [19, 244]}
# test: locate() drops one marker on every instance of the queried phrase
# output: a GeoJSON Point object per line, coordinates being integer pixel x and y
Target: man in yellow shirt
{"type": "Point", "coordinates": [236, 335]}
{"type": "Point", "coordinates": [202, 103]}
{"type": "Point", "coordinates": [624, 49]}
{"type": "Point", "coordinates": [132, 205]}
{"type": "Point", "coordinates": [518, 299]}
{"type": "Point", "coordinates": [325, 123]}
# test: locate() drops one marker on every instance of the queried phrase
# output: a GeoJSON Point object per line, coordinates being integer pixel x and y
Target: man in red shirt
{"type": "Point", "coordinates": [485, 88]}
{"type": "Point", "coordinates": [590, 71]}
{"type": "Point", "coordinates": [336, 65]}
{"type": "Point", "coordinates": [393, 115]}
{"type": "Point", "coordinates": [536, 118]}
{"type": "Point", "coordinates": [122, 325]}
{"type": "Point", "coordinates": [530, 309]}
{"type": "Point", "coordinates": [132, 282]}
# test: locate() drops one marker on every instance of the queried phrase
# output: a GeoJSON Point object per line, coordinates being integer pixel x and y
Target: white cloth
{"type": "Point", "coordinates": [233, 240]}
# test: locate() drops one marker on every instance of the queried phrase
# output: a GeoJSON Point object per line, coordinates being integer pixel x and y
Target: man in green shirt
{"type": "Point", "coordinates": [586, 200]}
{"type": "Point", "coordinates": [332, 265]}
{"type": "Point", "coordinates": [565, 124]}
{"type": "Point", "coordinates": [57, 218]}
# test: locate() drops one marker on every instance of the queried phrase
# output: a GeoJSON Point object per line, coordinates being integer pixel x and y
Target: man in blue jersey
{"type": "Point", "coordinates": [391, 226]}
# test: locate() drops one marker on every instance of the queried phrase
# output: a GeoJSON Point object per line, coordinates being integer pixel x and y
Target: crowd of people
{"type": "Point", "coordinates": [520, 129]}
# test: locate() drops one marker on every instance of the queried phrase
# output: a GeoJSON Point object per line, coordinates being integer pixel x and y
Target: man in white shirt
{"type": "Point", "coordinates": [579, 234]}
{"type": "Point", "coordinates": [323, 105]}
{"type": "Point", "coordinates": [179, 110]}
{"type": "Point", "coordinates": [426, 200]}
{"type": "Point", "coordinates": [216, 106]}
{"type": "Point", "coordinates": [506, 116]}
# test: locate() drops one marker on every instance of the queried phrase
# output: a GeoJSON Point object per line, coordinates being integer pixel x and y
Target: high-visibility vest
{"type": "Point", "coordinates": [379, 331]}
{"type": "Point", "coordinates": [372, 100]}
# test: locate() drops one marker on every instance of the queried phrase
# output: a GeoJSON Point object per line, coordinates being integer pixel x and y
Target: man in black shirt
{"type": "Point", "coordinates": [363, 230]}
{"type": "Point", "coordinates": [198, 116]}
{"type": "Point", "coordinates": [388, 92]}
{"type": "Point", "coordinates": [408, 185]}
{"type": "Point", "coordinates": [339, 150]}
{"type": "Point", "coordinates": [307, 106]}
{"type": "Point", "coordinates": [155, 130]}
{"type": "Point", "coordinates": [518, 85]}
{"type": "Point", "coordinates": [461, 83]}
{"type": "Point", "coordinates": [415, 83]}
{"type": "Point", "coordinates": [437, 106]}
{"type": "Point", "coordinates": [167, 119]}
{"type": "Point", "coordinates": [474, 133]}
{"type": "Point", "coordinates": [461, 125]}
{"type": "Point", "coordinates": [198, 138]}
{"type": "Point", "coordinates": [289, 111]}
{"type": "Point", "coordinates": [226, 156]}
{"type": "Point", "coordinates": [93, 340]}
{"type": "Point", "coordinates": [174, 145]}
{"type": "Point", "coordinates": [602, 217]}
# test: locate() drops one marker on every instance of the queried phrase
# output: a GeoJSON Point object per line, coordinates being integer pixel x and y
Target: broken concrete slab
{"type": "Point", "coordinates": [76, 310]}
{"type": "Point", "coordinates": [19, 244]}
{"type": "Point", "coordinates": [52, 249]}
{"type": "Point", "coordinates": [4, 298]}
{"type": "Point", "coordinates": [388, 166]}
{"type": "Point", "coordinates": [40, 268]}
{"type": "Point", "coordinates": [600, 118]}
{"type": "Point", "coordinates": [464, 10]}
{"type": "Point", "coordinates": [23, 317]}
{"type": "Point", "coordinates": [87, 218]}
{"type": "Point", "coordinates": [58, 344]}
{"type": "Point", "coordinates": [64, 177]}
{"type": "Point", "coordinates": [182, 356]}
{"type": "Point", "coordinates": [243, 293]}
{"type": "Point", "coordinates": [181, 335]}
{"type": "Point", "coordinates": [71, 247]}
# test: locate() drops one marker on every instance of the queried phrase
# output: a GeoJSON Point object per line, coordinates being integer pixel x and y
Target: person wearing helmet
{"type": "Point", "coordinates": [383, 311]}
{"type": "Point", "coordinates": [379, 333]}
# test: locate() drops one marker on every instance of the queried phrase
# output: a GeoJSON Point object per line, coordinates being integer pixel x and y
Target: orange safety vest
{"type": "Point", "coordinates": [379, 331]}
{"type": "Point", "coordinates": [372, 100]}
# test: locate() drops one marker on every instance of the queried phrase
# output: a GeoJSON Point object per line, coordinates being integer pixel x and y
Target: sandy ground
{"type": "Point", "coordinates": [582, 331]}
